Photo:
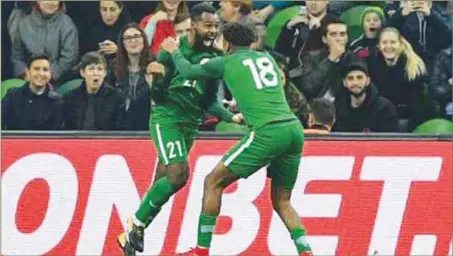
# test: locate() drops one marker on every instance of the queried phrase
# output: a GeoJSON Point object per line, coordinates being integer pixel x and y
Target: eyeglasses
{"type": "Point", "coordinates": [131, 38]}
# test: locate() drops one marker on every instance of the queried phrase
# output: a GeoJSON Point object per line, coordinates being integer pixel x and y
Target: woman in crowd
{"type": "Point", "coordinates": [160, 24]}
{"type": "Point", "coordinates": [399, 73]}
{"type": "Point", "coordinates": [47, 29]}
{"type": "Point", "coordinates": [105, 29]}
{"type": "Point", "coordinates": [129, 70]}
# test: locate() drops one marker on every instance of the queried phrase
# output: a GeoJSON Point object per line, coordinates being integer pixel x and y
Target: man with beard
{"type": "Point", "coordinates": [360, 108]}
{"type": "Point", "coordinates": [175, 119]}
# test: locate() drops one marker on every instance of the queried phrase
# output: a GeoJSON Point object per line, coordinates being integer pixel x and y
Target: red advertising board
{"type": "Point", "coordinates": [72, 197]}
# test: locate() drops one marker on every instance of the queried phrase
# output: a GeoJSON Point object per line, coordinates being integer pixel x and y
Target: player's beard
{"type": "Point", "coordinates": [204, 42]}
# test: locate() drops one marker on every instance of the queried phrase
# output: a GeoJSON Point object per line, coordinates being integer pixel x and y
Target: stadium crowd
{"type": "Point", "coordinates": [384, 68]}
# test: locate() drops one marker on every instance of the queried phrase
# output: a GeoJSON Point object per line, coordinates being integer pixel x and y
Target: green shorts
{"type": "Point", "coordinates": [173, 141]}
{"type": "Point", "coordinates": [278, 145]}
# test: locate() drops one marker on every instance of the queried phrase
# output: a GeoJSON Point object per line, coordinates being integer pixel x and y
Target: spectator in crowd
{"type": "Point", "coordinates": [35, 105]}
{"type": "Point", "coordinates": [240, 11]}
{"type": "Point", "coordinates": [94, 105]}
{"type": "Point", "coordinates": [303, 34]}
{"type": "Point", "coordinates": [105, 29]}
{"type": "Point", "coordinates": [47, 29]}
{"type": "Point", "coordinates": [129, 71]}
{"type": "Point", "coordinates": [264, 10]}
{"type": "Point", "coordinates": [360, 108]}
{"type": "Point", "coordinates": [399, 73]}
{"type": "Point", "coordinates": [182, 25]}
{"type": "Point", "coordinates": [372, 22]}
{"type": "Point", "coordinates": [321, 117]}
{"type": "Point", "coordinates": [321, 76]}
{"type": "Point", "coordinates": [296, 100]}
{"type": "Point", "coordinates": [441, 81]}
{"type": "Point", "coordinates": [423, 27]}
{"type": "Point", "coordinates": [159, 25]}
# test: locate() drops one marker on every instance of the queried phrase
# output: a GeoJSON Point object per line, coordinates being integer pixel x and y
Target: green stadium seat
{"type": "Point", "coordinates": [11, 83]}
{"type": "Point", "coordinates": [69, 86]}
{"type": "Point", "coordinates": [276, 24]}
{"type": "Point", "coordinates": [230, 127]}
{"type": "Point", "coordinates": [435, 126]}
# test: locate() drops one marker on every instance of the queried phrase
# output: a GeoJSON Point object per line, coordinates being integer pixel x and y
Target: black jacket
{"type": "Point", "coordinates": [376, 114]}
{"type": "Point", "coordinates": [137, 102]}
{"type": "Point", "coordinates": [439, 86]}
{"type": "Point", "coordinates": [319, 75]}
{"type": "Point", "coordinates": [109, 108]}
{"type": "Point", "coordinates": [24, 110]}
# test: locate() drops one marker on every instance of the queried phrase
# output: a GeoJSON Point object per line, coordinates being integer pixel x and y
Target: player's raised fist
{"type": "Point", "coordinates": [238, 118]}
{"type": "Point", "coordinates": [154, 69]}
{"type": "Point", "coordinates": [169, 44]}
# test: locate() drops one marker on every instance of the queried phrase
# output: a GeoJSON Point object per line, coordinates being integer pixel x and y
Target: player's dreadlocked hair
{"type": "Point", "coordinates": [239, 34]}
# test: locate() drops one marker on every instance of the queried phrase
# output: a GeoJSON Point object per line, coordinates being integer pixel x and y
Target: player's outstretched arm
{"type": "Point", "coordinates": [211, 69]}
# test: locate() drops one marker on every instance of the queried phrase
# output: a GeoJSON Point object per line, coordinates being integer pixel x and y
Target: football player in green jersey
{"type": "Point", "coordinates": [179, 107]}
{"type": "Point", "coordinates": [275, 139]}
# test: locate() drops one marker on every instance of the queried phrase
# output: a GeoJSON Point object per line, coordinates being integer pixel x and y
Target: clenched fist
{"type": "Point", "coordinates": [169, 45]}
{"type": "Point", "coordinates": [154, 69]}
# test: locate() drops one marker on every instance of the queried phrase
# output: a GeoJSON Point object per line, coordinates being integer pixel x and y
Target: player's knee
{"type": "Point", "coordinates": [280, 204]}
{"type": "Point", "coordinates": [217, 179]}
{"type": "Point", "coordinates": [177, 175]}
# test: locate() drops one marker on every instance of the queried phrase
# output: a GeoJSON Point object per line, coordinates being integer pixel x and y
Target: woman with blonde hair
{"type": "Point", "coordinates": [399, 74]}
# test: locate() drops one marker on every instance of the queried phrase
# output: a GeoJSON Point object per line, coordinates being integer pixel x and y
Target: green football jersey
{"type": "Point", "coordinates": [185, 100]}
{"type": "Point", "coordinates": [254, 80]}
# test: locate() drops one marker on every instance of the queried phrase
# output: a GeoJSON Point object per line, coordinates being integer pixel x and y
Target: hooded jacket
{"type": "Point", "coordinates": [54, 35]}
{"type": "Point", "coordinates": [376, 114]}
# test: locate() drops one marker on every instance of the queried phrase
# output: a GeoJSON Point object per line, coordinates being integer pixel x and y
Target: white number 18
{"type": "Point", "coordinates": [263, 72]}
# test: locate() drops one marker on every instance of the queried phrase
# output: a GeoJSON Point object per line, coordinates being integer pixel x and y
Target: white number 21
{"type": "Point", "coordinates": [263, 72]}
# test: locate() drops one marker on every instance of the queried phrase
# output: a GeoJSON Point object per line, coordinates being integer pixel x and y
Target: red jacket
{"type": "Point", "coordinates": [163, 30]}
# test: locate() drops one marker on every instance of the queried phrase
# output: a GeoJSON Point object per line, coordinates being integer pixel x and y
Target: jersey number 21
{"type": "Point", "coordinates": [263, 72]}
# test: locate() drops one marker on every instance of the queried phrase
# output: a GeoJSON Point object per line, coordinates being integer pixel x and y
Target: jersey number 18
{"type": "Point", "coordinates": [263, 72]}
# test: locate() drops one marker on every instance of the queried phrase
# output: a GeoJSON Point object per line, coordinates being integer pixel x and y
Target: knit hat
{"type": "Point", "coordinates": [373, 9]}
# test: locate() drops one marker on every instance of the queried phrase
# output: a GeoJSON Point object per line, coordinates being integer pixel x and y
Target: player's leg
{"type": "Point", "coordinates": [283, 171]}
{"type": "Point", "coordinates": [247, 157]}
{"type": "Point", "coordinates": [173, 174]}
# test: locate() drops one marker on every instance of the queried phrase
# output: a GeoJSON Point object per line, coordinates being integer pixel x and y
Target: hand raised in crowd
{"type": "Point", "coordinates": [169, 44]}
{"type": "Point", "coordinates": [107, 47]}
{"type": "Point", "coordinates": [159, 16]}
{"type": "Point", "coordinates": [298, 19]}
{"type": "Point", "coordinates": [407, 8]}
{"type": "Point", "coordinates": [336, 50]}
{"type": "Point", "coordinates": [154, 70]}
{"type": "Point", "coordinates": [425, 8]}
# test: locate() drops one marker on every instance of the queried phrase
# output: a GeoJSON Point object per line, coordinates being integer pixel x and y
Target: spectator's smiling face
{"type": "Point", "coordinates": [94, 75]}
{"type": "Point", "coordinates": [316, 7]}
{"type": "Point", "coordinates": [206, 29]}
{"type": "Point", "coordinates": [133, 41]}
{"type": "Point", "coordinates": [356, 82]}
{"type": "Point", "coordinates": [171, 5]}
{"type": "Point", "coordinates": [390, 45]}
{"type": "Point", "coordinates": [48, 7]}
{"type": "Point", "coordinates": [372, 24]}
{"type": "Point", "coordinates": [39, 72]}
{"type": "Point", "coordinates": [110, 12]}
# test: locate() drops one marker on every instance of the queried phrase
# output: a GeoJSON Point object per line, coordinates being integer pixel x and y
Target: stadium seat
{"type": "Point", "coordinates": [11, 83]}
{"type": "Point", "coordinates": [230, 127]}
{"type": "Point", "coordinates": [276, 24]}
{"type": "Point", "coordinates": [69, 86]}
{"type": "Point", "coordinates": [352, 18]}
{"type": "Point", "coordinates": [435, 126]}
